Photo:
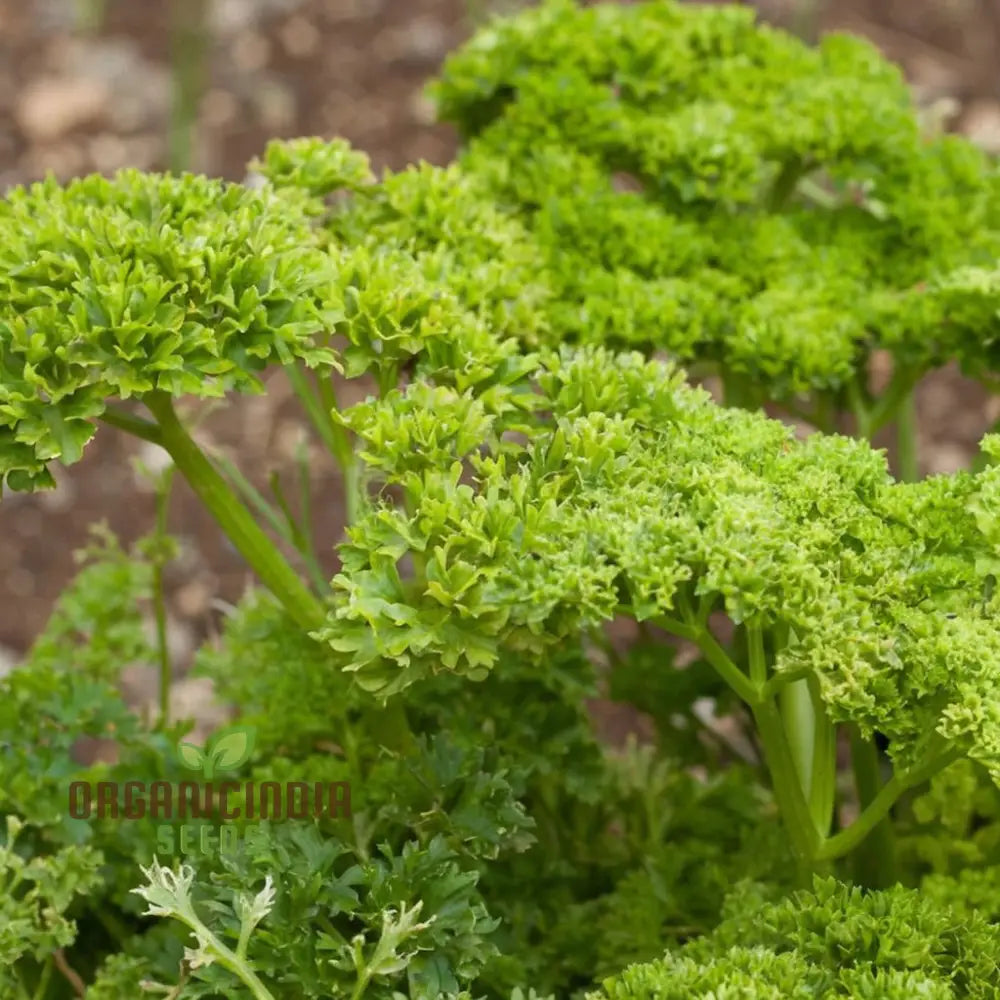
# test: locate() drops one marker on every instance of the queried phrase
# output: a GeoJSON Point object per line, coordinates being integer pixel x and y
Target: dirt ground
{"type": "Point", "coordinates": [75, 100]}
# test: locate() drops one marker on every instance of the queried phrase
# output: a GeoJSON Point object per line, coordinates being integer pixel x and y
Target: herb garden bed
{"type": "Point", "coordinates": [411, 800]}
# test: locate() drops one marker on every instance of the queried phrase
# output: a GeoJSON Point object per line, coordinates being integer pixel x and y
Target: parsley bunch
{"type": "Point", "coordinates": [550, 526]}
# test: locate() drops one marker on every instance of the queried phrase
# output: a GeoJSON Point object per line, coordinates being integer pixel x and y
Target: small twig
{"type": "Point", "coordinates": [116, 416]}
{"type": "Point", "coordinates": [79, 987]}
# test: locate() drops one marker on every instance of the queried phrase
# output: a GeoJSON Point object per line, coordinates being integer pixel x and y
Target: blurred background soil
{"type": "Point", "coordinates": [86, 86]}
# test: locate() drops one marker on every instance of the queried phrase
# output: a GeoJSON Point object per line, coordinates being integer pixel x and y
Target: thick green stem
{"type": "Point", "coordinates": [872, 415]}
{"type": "Point", "coordinates": [875, 860]}
{"type": "Point", "coordinates": [776, 683]}
{"type": "Point", "coordinates": [799, 743]}
{"type": "Point", "coordinates": [847, 840]}
{"type": "Point", "coordinates": [691, 629]}
{"type": "Point", "coordinates": [234, 519]}
{"type": "Point", "coordinates": [719, 659]}
{"type": "Point", "coordinates": [226, 957]}
{"type": "Point", "coordinates": [756, 655]}
{"type": "Point", "coordinates": [319, 409]}
{"type": "Point", "coordinates": [737, 391]}
{"type": "Point", "coordinates": [812, 743]}
{"type": "Point", "coordinates": [906, 439]}
{"type": "Point", "coordinates": [160, 597]}
{"type": "Point", "coordinates": [800, 725]}
{"type": "Point", "coordinates": [124, 421]}
{"type": "Point", "coordinates": [788, 790]}
{"type": "Point", "coordinates": [389, 722]}
{"type": "Point", "coordinates": [243, 970]}
{"type": "Point", "coordinates": [785, 184]}
{"type": "Point", "coordinates": [788, 785]}
{"type": "Point", "coordinates": [899, 390]}
{"type": "Point", "coordinates": [364, 977]}
{"type": "Point", "coordinates": [823, 782]}
{"type": "Point", "coordinates": [44, 979]}
{"type": "Point", "coordinates": [860, 406]}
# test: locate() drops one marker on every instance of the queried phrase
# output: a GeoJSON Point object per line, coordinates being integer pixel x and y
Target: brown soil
{"type": "Point", "coordinates": [74, 103]}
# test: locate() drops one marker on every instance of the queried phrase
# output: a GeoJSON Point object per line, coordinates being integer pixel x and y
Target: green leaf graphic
{"type": "Point", "coordinates": [232, 747]}
{"type": "Point", "coordinates": [191, 756]}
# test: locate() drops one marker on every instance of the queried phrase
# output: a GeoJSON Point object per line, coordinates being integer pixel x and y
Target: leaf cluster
{"type": "Point", "coordinates": [664, 176]}
{"type": "Point", "coordinates": [637, 494]}
{"type": "Point", "coordinates": [833, 941]}
{"type": "Point", "coordinates": [114, 288]}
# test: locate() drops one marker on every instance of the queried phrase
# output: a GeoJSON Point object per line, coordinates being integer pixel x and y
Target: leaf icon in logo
{"type": "Point", "coordinates": [191, 756]}
{"type": "Point", "coordinates": [225, 752]}
{"type": "Point", "coordinates": [229, 749]}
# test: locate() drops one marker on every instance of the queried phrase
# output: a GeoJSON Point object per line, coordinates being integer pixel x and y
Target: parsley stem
{"type": "Point", "coordinates": [115, 416]}
{"type": "Point", "coordinates": [159, 593]}
{"type": "Point", "coordinates": [823, 782]}
{"type": "Point", "coordinates": [45, 978]}
{"type": "Point", "coordinates": [800, 725]}
{"type": "Point", "coordinates": [69, 973]}
{"type": "Point", "coordinates": [900, 388]}
{"type": "Point", "coordinates": [776, 682]}
{"type": "Point", "coordinates": [792, 171]}
{"type": "Point", "coordinates": [331, 434]}
{"type": "Point", "coordinates": [730, 672]}
{"type": "Point", "coordinates": [716, 656]}
{"type": "Point", "coordinates": [226, 957]}
{"type": "Point", "coordinates": [875, 862]}
{"type": "Point", "coordinates": [906, 439]}
{"type": "Point", "coordinates": [790, 790]}
{"type": "Point", "coordinates": [860, 405]}
{"type": "Point", "coordinates": [878, 809]}
{"type": "Point", "coordinates": [755, 647]}
{"type": "Point", "coordinates": [785, 778]}
{"type": "Point", "coordinates": [234, 519]}
{"type": "Point", "coordinates": [319, 408]}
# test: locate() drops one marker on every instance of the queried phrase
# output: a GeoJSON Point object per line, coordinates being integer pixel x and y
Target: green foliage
{"type": "Point", "coordinates": [329, 927]}
{"type": "Point", "coordinates": [831, 942]}
{"type": "Point", "coordinates": [375, 937]}
{"type": "Point", "coordinates": [98, 619]}
{"type": "Point", "coordinates": [314, 166]}
{"type": "Point", "coordinates": [546, 521]}
{"type": "Point", "coordinates": [55, 709]}
{"type": "Point", "coordinates": [701, 184]}
{"type": "Point", "coordinates": [649, 864]}
{"type": "Point", "coordinates": [639, 495]}
{"type": "Point", "coordinates": [281, 679]}
{"type": "Point", "coordinates": [663, 59]}
{"type": "Point", "coordinates": [954, 824]}
{"type": "Point", "coordinates": [446, 218]}
{"type": "Point", "coordinates": [35, 894]}
{"type": "Point", "coordinates": [115, 288]}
